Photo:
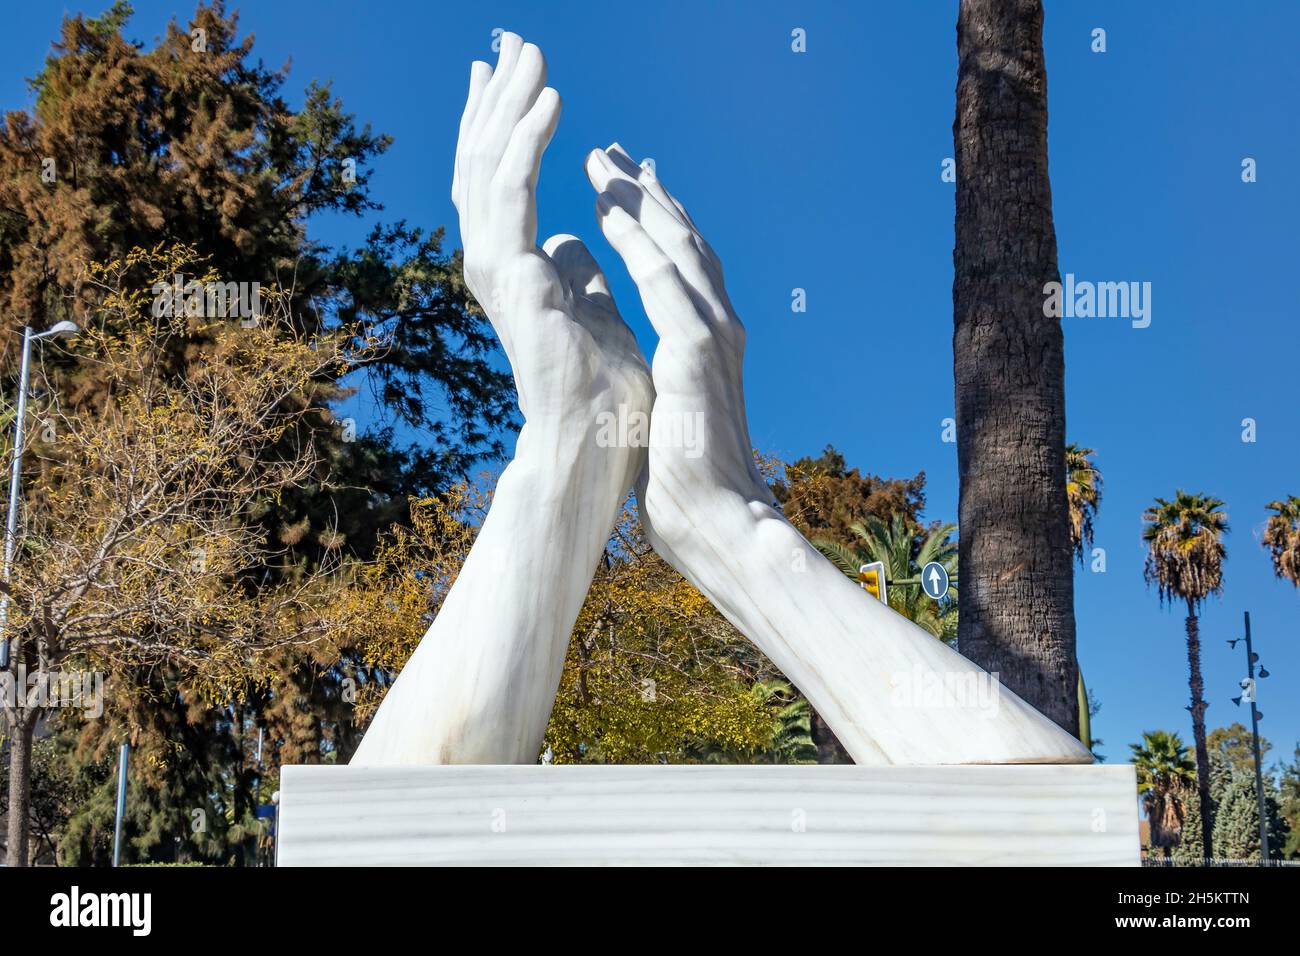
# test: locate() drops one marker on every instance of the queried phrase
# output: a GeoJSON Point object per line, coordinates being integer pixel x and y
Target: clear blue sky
{"type": "Point", "coordinates": [822, 171]}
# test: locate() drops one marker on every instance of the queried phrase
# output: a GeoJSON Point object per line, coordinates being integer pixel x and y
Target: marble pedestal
{"type": "Point", "coordinates": [709, 815]}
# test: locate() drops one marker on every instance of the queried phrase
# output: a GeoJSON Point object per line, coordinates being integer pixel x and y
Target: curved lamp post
{"type": "Point", "coordinates": [11, 525]}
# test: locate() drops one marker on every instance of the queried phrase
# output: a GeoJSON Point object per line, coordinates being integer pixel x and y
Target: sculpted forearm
{"type": "Point", "coordinates": [480, 686]}
{"type": "Point", "coordinates": [892, 692]}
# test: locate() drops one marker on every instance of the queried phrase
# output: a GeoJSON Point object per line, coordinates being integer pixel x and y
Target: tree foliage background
{"type": "Point", "coordinates": [192, 142]}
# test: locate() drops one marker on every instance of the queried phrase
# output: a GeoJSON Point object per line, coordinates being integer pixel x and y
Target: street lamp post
{"type": "Point", "coordinates": [15, 474]}
{"type": "Point", "coordinates": [1251, 696]}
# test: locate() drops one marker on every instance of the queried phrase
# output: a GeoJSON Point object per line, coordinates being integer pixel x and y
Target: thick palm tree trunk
{"type": "Point", "coordinates": [21, 724]}
{"type": "Point", "coordinates": [1197, 686]}
{"type": "Point", "coordinates": [1016, 602]}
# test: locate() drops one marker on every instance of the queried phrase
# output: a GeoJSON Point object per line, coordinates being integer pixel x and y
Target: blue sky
{"type": "Point", "coordinates": [821, 171]}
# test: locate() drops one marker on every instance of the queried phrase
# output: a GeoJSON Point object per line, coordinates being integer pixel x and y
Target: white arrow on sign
{"type": "Point", "coordinates": [934, 580]}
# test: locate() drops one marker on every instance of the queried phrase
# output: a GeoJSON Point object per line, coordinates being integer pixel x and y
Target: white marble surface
{"type": "Point", "coordinates": [708, 815]}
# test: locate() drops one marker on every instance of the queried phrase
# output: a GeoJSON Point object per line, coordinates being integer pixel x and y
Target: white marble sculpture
{"type": "Point", "coordinates": [480, 686]}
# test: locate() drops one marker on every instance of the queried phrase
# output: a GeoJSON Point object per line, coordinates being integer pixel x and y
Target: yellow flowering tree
{"type": "Point", "coordinates": [140, 540]}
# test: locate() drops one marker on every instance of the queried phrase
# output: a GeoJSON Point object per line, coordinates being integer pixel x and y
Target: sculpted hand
{"type": "Point", "coordinates": [480, 686]}
{"type": "Point", "coordinates": [697, 366]}
{"type": "Point", "coordinates": [568, 348]}
{"type": "Point", "coordinates": [891, 692]}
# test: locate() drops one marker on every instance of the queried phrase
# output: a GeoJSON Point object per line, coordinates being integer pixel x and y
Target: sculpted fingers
{"type": "Point", "coordinates": [645, 261]}
{"type": "Point", "coordinates": [619, 165]}
{"type": "Point", "coordinates": [514, 185]}
{"type": "Point", "coordinates": [626, 184]}
{"type": "Point", "coordinates": [507, 56]}
{"type": "Point", "coordinates": [644, 173]}
{"type": "Point", "coordinates": [650, 180]}
{"type": "Point", "coordinates": [519, 78]}
{"type": "Point", "coordinates": [607, 166]}
{"type": "Point", "coordinates": [490, 128]}
{"type": "Point", "coordinates": [592, 307]}
{"type": "Point", "coordinates": [479, 75]}
{"type": "Point", "coordinates": [510, 117]}
{"type": "Point", "coordinates": [526, 81]}
{"type": "Point", "coordinates": [612, 172]}
{"type": "Point", "coordinates": [621, 160]}
{"type": "Point", "coordinates": [668, 232]}
{"type": "Point", "coordinates": [664, 292]}
{"type": "Point", "coordinates": [647, 176]}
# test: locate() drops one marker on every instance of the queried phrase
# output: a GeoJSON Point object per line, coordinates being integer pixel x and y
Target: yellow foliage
{"type": "Point", "coordinates": [654, 673]}
{"type": "Point", "coordinates": [140, 534]}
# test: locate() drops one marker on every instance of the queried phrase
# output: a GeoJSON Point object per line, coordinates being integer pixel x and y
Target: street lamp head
{"type": "Point", "coordinates": [63, 328]}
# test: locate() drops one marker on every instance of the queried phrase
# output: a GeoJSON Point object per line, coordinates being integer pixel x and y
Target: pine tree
{"type": "Point", "coordinates": [1236, 824]}
{"type": "Point", "coordinates": [1190, 851]}
{"type": "Point", "coordinates": [1289, 805]}
{"type": "Point", "coordinates": [1191, 848]}
{"type": "Point", "coordinates": [190, 141]}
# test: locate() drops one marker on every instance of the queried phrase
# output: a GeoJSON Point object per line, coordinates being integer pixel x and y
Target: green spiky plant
{"type": "Point", "coordinates": [896, 545]}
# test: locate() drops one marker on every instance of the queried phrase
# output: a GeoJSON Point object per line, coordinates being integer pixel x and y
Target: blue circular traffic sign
{"type": "Point", "coordinates": [934, 580]}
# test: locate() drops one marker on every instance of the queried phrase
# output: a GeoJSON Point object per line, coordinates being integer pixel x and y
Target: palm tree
{"type": "Point", "coordinates": [897, 547]}
{"type": "Point", "coordinates": [1282, 538]}
{"type": "Point", "coordinates": [1185, 562]}
{"type": "Point", "coordinates": [1017, 605]}
{"type": "Point", "coordinates": [1165, 774]}
{"type": "Point", "coordinates": [1083, 495]}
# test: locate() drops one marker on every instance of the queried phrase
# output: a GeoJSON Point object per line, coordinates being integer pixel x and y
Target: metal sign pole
{"type": "Point", "coordinates": [122, 756]}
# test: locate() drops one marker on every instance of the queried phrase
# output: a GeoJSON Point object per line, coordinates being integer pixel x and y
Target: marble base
{"type": "Point", "coordinates": [708, 815]}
